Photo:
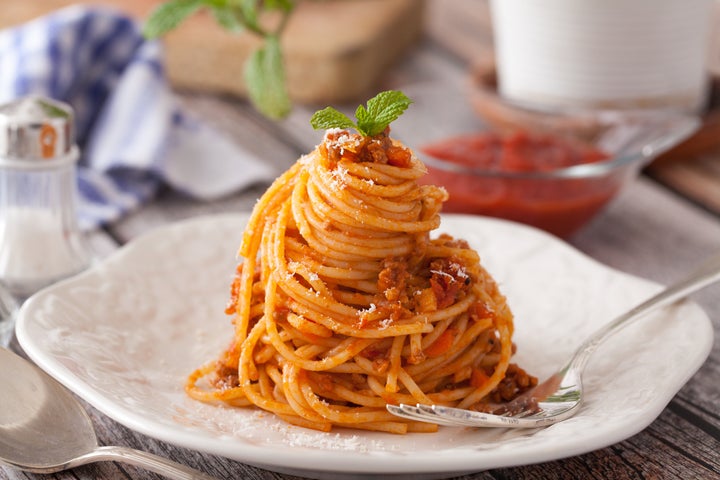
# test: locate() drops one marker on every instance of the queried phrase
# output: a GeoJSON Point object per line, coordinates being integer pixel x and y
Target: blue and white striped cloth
{"type": "Point", "coordinates": [131, 131]}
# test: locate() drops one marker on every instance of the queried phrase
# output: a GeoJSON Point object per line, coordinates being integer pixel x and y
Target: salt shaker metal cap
{"type": "Point", "coordinates": [40, 241]}
{"type": "Point", "coordinates": [35, 130]}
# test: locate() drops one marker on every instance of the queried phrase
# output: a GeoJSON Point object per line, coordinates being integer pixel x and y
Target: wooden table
{"type": "Point", "coordinates": [651, 231]}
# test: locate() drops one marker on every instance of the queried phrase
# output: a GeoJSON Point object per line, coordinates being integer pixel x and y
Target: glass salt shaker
{"type": "Point", "coordinates": [40, 241]}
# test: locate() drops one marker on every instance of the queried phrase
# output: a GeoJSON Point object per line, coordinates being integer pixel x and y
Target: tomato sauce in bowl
{"type": "Point", "coordinates": [547, 181]}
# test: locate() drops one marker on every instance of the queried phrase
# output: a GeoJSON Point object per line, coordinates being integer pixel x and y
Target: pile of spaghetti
{"type": "Point", "coordinates": [343, 303]}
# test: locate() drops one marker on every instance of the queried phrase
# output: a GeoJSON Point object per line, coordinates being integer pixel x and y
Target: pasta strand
{"type": "Point", "coordinates": [343, 302]}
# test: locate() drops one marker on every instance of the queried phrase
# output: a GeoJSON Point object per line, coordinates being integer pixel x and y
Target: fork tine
{"type": "Point", "coordinates": [421, 412]}
{"type": "Point", "coordinates": [415, 413]}
{"type": "Point", "coordinates": [456, 417]}
{"type": "Point", "coordinates": [474, 419]}
{"type": "Point", "coordinates": [429, 412]}
{"type": "Point", "coordinates": [448, 416]}
{"type": "Point", "coordinates": [407, 412]}
{"type": "Point", "coordinates": [525, 413]}
{"type": "Point", "coordinates": [525, 419]}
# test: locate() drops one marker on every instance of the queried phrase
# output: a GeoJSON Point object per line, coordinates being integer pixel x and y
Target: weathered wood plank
{"type": "Point", "coordinates": [699, 178]}
{"type": "Point", "coordinates": [655, 453]}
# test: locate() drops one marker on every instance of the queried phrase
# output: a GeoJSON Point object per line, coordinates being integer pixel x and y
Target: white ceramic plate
{"type": "Point", "coordinates": [125, 334]}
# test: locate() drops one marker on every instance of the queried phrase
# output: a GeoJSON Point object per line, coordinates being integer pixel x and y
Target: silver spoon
{"type": "Point", "coordinates": [44, 429]}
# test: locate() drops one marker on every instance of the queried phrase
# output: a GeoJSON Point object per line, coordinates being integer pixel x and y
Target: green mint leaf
{"type": "Point", "coordinates": [381, 110]}
{"type": "Point", "coordinates": [328, 117]}
{"type": "Point", "coordinates": [169, 15]}
{"type": "Point", "coordinates": [372, 120]}
{"type": "Point", "coordinates": [264, 73]}
{"type": "Point", "coordinates": [284, 5]}
{"type": "Point", "coordinates": [265, 80]}
{"type": "Point", "coordinates": [249, 13]}
{"type": "Point", "coordinates": [226, 18]}
{"type": "Point", "coordinates": [363, 120]}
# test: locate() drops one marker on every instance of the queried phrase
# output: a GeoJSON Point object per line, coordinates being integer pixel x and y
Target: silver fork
{"type": "Point", "coordinates": [560, 396]}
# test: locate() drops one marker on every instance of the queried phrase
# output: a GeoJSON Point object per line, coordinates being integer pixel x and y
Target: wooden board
{"type": "Point", "coordinates": [335, 50]}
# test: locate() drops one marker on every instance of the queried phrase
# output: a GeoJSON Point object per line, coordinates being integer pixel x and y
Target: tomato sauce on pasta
{"type": "Point", "coordinates": [343, 302]}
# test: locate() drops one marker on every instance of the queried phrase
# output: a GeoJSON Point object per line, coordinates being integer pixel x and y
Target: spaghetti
{"type": "Point", "coordinates": [343, 303]}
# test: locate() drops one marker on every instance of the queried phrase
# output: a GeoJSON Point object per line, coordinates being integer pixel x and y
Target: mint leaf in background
{"type": "Point", "coordinates": [169, 15]}
{"type": "Point", "coordinates": [282, 5]}
{"type": "Point", "coordinates": [265, 79]}
{"type": "Point", "coordinates": [226, 18]}
{"type": "Point", "coordinates": [264, 73]}
{"type": "Point", "coordinates": [328, 117]}
{"type": "Point", "coordinates": [249, 14]}
{"type": "Point", "coordinates": [381, 110]}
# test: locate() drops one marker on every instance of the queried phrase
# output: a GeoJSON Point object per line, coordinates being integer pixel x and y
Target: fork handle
{"type": "Point", "coordinates": [707, 274]}
{"type": "Point", "coordinates": [149, 461]}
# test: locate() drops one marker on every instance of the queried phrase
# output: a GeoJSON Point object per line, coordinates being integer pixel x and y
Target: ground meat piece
{"type": "Point", "coordinates": [225, 377]}
{"type": "Point", "coordinates": [481, 310]}
{"type": "Point", "coordinates": [375, 151]}
{"type": "Point", "coordinates": [398, 156]}
{"type": "Point", "coordinates": [448, 281]}
{"type": "Point", "coordinates": [516, 382]}
{"type": "Point", "coordinates": [392, 279]}
{"type": "Point", "coordinates": [339, 144]}
{"type": "Point", "coordinates": [448, 241]}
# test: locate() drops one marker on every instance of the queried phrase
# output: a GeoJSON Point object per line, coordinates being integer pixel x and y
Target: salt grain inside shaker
{"type": "Point", "coordinates": [40, 242]}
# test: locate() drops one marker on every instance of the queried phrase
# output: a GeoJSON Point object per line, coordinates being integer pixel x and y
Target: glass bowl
{"type": "Point", "coordinates": [564, 199]}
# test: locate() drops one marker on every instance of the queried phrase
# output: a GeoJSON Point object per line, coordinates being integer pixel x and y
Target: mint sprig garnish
{"type": "Point", "coordinates": [371, 120]}
{"type": "Point", "coordinates": [264, 72]}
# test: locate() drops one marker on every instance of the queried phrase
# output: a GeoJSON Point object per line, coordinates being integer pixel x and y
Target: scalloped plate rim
{"type": "Point", "coordinates": [316, 462]}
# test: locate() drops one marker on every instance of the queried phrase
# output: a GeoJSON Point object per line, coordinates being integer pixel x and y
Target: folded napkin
{"type": "Point", "coordinates": [132, 133]}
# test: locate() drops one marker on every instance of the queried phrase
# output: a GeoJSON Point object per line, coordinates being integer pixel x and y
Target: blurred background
{"type": "Point", "coordinates": [524, 67]}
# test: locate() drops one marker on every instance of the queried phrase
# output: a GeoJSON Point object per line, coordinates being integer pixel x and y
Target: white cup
{"type": "Point", "coordinates": [609, 54]}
